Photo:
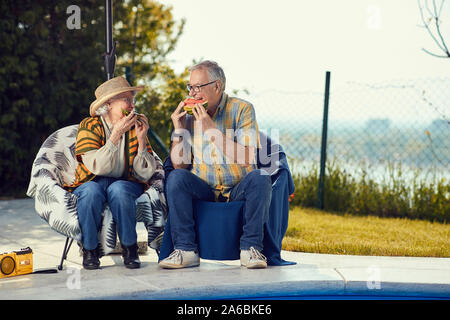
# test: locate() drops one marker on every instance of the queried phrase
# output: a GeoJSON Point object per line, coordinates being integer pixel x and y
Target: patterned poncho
{"type": "Point", "coordinates": [55, 166]}
{"type": "Point", "coordinates": [91, 136]}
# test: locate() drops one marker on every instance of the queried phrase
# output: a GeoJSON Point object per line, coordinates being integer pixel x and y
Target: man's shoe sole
{"type": "Point", "coordinates": [256, 265]}
{"type": "Point", "coordinates": [177, 266]}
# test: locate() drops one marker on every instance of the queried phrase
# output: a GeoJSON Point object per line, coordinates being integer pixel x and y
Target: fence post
{"type": "Point", "coordinates": [323, 150]}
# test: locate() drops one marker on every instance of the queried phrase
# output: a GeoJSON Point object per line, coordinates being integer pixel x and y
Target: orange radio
{"type": "Point", "coordinates": [16, 263]}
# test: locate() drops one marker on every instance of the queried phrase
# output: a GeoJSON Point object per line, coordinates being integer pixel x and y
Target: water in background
{"type": "Point", "coordinates": [371, 128]}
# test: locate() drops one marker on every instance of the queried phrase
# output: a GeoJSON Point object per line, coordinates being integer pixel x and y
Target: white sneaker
{"type": "Point", "coordinates": [180, 259]}
{"type": "Point", "coordinates": [253, 259]}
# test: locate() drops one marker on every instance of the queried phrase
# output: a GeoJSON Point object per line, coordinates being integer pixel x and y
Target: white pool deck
{"type": "Point", "coordinates": [314, 274]}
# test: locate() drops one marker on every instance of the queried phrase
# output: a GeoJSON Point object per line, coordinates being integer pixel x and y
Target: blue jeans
{"type": "Point", "coordinates": [120, 195]}
{"type": "Point", "coordinates": [183, 187]}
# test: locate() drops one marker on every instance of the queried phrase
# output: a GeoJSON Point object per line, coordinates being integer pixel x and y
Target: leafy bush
{"type": "Point", "coordinates": [395, 196]}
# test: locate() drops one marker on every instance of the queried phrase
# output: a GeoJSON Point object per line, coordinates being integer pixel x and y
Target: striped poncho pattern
{"type": "Point", "coordinates": [55, 166]}
{"type": "Point", "coordinates": [91, 136]}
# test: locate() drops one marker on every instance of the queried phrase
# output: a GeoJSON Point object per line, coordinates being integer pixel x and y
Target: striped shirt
{"type": "Point", "coordinates": [236, 119]}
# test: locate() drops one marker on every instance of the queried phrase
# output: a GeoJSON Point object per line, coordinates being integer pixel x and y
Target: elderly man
{"type": "Point", "coordinates": [221, 143]}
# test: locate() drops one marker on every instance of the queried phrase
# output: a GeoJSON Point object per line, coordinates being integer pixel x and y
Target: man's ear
{"type": "Point", "coordinates": [219, 85]}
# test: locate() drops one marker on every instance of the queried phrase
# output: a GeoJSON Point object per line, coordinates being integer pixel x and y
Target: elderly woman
{"type": "Point", "coordinates": [115, 162]}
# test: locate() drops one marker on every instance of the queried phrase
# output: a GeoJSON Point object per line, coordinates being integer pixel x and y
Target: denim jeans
{"type": "Point", "coordinates": [183, 187]}
{"type": "Point", "coordinates": [121, 196]}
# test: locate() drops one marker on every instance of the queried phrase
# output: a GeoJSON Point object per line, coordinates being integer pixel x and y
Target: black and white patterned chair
{"type": "Point", "coordinates": [55, 165]}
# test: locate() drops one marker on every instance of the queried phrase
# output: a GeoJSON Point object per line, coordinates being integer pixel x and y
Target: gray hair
{"type": "Point", "coordinates": [215, 72]}
{"type": "Point", "coordinates": [102, 110]}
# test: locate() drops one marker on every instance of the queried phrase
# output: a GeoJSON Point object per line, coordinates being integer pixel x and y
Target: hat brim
{"type": "Point", "coordinates": [101, 101]}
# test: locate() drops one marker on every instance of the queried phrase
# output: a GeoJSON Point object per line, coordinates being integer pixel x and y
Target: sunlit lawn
{"type": "Point", "coordinates": [317, 231]}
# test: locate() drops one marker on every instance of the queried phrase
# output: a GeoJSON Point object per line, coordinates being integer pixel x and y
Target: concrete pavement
{"type": "Point", "coordinates": [314, 275]}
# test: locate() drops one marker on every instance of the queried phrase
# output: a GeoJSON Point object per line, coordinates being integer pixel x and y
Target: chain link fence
{"type": "Point", "coordinates": [405, 122]}
{"type": "Point", "coordinates": [373, 129]}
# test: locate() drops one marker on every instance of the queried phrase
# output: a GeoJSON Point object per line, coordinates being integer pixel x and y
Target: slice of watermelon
{"type": "Point", "coordinates": [190, 103]}
{"type": "Point", "coordinates": [125, 112]}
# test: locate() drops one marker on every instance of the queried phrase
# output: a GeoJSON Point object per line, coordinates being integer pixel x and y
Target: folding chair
{"type": "Point", "coordinates": [65, 252]}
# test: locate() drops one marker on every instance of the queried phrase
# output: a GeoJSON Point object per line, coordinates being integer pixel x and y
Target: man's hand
{"type": "Point", "coordinates": [203, 117]}
{"type": "Point", "coordinates": [179, 117]}
{"type": "Point", "coordinates": [179, 122]}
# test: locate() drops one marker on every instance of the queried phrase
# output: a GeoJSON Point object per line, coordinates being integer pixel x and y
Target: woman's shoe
{"type": "Point", "coordinates": [90, 259]}
{"type": "Point", "coordinates": [131, 257]}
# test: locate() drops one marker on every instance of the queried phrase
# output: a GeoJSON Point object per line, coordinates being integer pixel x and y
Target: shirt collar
{"type": "Point", "coordinates": [222, 103]}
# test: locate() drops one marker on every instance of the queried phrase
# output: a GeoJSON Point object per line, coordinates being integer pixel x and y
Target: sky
{"type": "Point", "coordinates": [288, 45]}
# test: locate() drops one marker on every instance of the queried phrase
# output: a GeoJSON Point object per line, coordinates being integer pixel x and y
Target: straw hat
{"type": "Point", "coordinates": [109, 89]}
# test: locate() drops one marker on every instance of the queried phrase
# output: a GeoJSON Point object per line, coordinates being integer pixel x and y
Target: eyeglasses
{"type": "Point", "coordinates": [129, 101]}
{"type": "Point", "coordinates": [198, 87]}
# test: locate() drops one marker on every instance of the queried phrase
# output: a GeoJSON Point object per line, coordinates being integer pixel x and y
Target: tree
{"type": "Point", "coordinates": [145, 52]}
{"type": "Point", "coordinates": [49, 72]}
{"type": "Point", "coordinates": [432, 23]}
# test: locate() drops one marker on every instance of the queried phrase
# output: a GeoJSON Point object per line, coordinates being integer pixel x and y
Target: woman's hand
{"type": "Point", "coordinates": [141, 130]}
{"type": "Point", "coordinates": [122, 126]}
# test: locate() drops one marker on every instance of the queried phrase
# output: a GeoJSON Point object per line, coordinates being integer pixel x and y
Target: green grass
{"type": "Point", "coordinates": [317, 231]}
{"type": "Point", "coordinates": [357, 193]}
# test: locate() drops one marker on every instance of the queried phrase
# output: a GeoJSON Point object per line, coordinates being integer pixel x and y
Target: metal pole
{"type": "Point", "coordinates": [323, 151]}
{"type": "Point", "coordinates": [158, 140]}
{"type": "Point", "coordinates": [108, 22]}
{"type": "Point", "coordinates": [110, 54]}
